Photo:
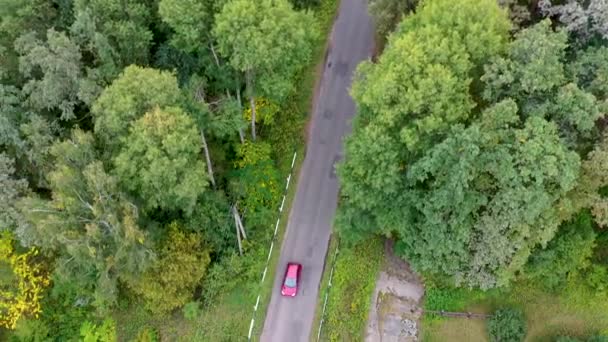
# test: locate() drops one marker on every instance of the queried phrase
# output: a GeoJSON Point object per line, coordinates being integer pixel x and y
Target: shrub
{"type": "Point", "coordinates": [353, 283]}
{"type": "Point", "coordinates": [147, 335]}
{"type": "Point", "coordinates": [192, 310]}
{"type": "Point", "coordinates": [507, 325]}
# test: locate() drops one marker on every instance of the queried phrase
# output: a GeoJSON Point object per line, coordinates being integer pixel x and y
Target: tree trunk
{"type": "Point", "coordinates": [238, 233]}
{"type": "Point", "coordinates": [238, 99]}
{"type": "Point", "coordinates": [238, 218]}
{"type": "Point", "coordinates": [209, 166]}
{"type": "Point", "coordinates": [217, 61]}
{"type": "Point", "coordinates": [251, 102]}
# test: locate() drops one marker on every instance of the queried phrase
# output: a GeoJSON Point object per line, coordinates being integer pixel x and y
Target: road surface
{"type": "Point", "coordinates": [307, 236]}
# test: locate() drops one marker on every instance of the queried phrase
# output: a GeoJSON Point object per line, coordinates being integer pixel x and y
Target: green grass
{"type": "Point", "coordinates": [574, 311]}
{"type": "Point", "coordinates": [350, 296]}
{"type": "Point", "coordinates": [324, 286]}
{"type": "Point", "coordinates": [229, 316]}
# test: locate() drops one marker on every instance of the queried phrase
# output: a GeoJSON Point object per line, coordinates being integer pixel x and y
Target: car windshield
{"type": "Point", "coordinates": [290, 282]}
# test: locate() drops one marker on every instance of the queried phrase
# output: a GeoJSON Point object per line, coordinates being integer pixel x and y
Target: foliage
{"type": "Point", "coordinates": [123, 23]}
{"type": "Point", "coordinates": [135, 92]}
{"type": "Point", "coordinates": [266, 111]}
{"type": "Point", "coordinates": [566, 255]}
{"type": "Point", "coordinates": [91, 332]}
{"type": "Point", "coordinates": [63, 85]}
{"type": "Point", "coordinates": [584, 19]}
{"type": "Point", "coordinates": [10, 190]}
{"type": "Point", "coordinates": [147, 335]}
{"type": "Point", "coordinates": [590, 339]}
{"type": "Point", "coordinates": [388, 13]}
{"type": "Point", "coordinates": [192, 310]}
{"type": "Point", "coordinates": [271, 43]}
{"type": "Point", "coordinates": [353, 283]}
{"type": "Point", "coordinates": [507, 325]}
{"type": "Point", "coordinates": [213, 219]}
{"type": "Point", "coordinates": [160, 161]}
{"type": "Point", "coordinates": [22, 291]}
{"type": "Point", "coordinates": [256, 181]}
{"type": "Point", "coordinates": [170, 281]}
{"type": "Point", "coordinates": [89, 223]}
{"type": "Point", "coordinates": [190, 19]}
{"type": "Point", "coordinates": [395, 121]}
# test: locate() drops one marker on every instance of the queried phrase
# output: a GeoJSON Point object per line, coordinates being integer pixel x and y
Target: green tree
{"type": "Point", "coordinates": [477, 203]}
{"type": "Point", "coordinates": [535, 75]}
{"type": "Point", "coordinates": [91, 332]}
{"type": "Point", "coordinates": [18, 17]}
{"type": "Point", "coordinates": [566, 255]}
{"type": "Point", "coordinates": [192, 21]}
{"type": "Point", "coordinates": [395, 120]}
{"type": "Point", "coordinates": [171, 281]}
{"type": "Point", "coordinates": [590, 70]}
{"type": "Point", "coordinates": [268, 41]}
{"type": "Point", "coordinates": [388, 13]}
{"type": "Point", "coordinates": [88, 223]}
{"type": "Point", "coordinates": [136, 91]}
{"type": "Point", "coordinates": [125, 23]}
{"type": "Point", "coordinates": [160, 161]}
{"type": "Point", "coordinates": [63, 85]}
{"type": "Point", "coordinates": [480, 26]}
{"type": "Point", "coordinates": [11, 190]}
{"type": "Point", "coordinates": [507, 325]}
{"type": "Point", "coordinates": [255, 183]}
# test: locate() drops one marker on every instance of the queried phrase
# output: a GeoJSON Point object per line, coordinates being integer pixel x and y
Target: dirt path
{"type": "Point", "coordinates": [394, 314]}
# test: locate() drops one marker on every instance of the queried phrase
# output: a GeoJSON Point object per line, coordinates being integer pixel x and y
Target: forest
{"type": "Point", "coordinates": [134, 135]}
{"type": "Point", "coordinates": [480, 146]}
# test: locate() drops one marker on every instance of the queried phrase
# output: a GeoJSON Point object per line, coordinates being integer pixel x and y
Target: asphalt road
{"type": "Point", "coordinates": [309, 226]}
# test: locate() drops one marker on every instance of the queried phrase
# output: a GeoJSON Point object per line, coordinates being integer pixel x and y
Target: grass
{"type": "Point", "coordinates": [574, 311]}
{"type": "Point", "coordinates": [228, 317]}
{"type": "Point", "coordinates": [350, 296]}
{"type": "Point", "coordinates": [324, 286]}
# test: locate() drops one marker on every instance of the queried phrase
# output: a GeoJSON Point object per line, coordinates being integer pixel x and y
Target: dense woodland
{"type": "Point", "coordinates": [132, 133]}
{"type": "Point", "coordinates": [480, 142]}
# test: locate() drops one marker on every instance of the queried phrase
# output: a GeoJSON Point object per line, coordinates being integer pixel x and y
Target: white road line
{"type": "Point", "coordinates": [264, 274]}
{"type": "Point", "coordinates": [294, 159]}
{"type": "Point", "coordinates": [288, 179]}
{"type": "Point", "coordinates": [255, 308]}
{"type": "Point", "coordinates": [282, 203]}
{"type": "Point", "coordinates": [250, 329]}
{"type": "Point", "coordinates": [276, 227]}
{"type": "Point", "coordinates": [270, 252]}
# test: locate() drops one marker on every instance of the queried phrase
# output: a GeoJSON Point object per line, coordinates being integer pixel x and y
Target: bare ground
{"type": "Point", "coordinates": [395, 310]}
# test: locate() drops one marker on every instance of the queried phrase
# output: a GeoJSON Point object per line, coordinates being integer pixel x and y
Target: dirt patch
{"type": "Point", "coordinates": [395, 310]}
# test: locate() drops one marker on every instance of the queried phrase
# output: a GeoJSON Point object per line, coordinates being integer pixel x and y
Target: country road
{"type": "Point", "coordinates": [307, 236]}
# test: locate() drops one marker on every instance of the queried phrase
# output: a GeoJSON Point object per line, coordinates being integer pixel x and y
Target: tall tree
{"type": "Point", "coordinates": [396, 122]}
{"type": "Point", "coordinates": [11, 190]}
{"type": "Point", "coordinates": [64, 84]}
{"type": "Point", "coordinates": [584, 19]}
{"type": "Point", "coordinates": [160, 161]}
{"type": "Point", "coordinates": [192, 21]}
{"type": "Point", "coordinates": [88, 224]}
{"type": "Point", "coordinates": [266, 40]}
{"type": "Point", "coordinates": [136, 91]}
{"type": "Point", "coordinates": [534, 73]}
{"type": "Point", "coordinates": [125, 23]}
{"type": "Point", "coordinates": [170, 282]}
{"type": "Point", "coordinates": [480, 201]}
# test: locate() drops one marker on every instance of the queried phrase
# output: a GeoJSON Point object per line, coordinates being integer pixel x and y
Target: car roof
{"type": "Point", "coordinates": [292, 269]}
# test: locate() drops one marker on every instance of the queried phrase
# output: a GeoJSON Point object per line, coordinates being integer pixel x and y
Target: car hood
{"type": "Point", "coordinates": [288, 291]}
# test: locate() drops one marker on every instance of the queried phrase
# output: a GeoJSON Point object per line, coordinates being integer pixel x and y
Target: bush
{"type": "Point", "coordinates": [354, 280]}
{"type": "Point", "coordinates": [507, 325]}
{"type": "Point", "coordinates": [147, 335]}
{"type": "Point", "coordinates": [192, 310]}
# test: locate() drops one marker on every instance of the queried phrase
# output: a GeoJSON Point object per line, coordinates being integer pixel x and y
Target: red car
{"type": "Point", "coordinates": [292, 279]}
